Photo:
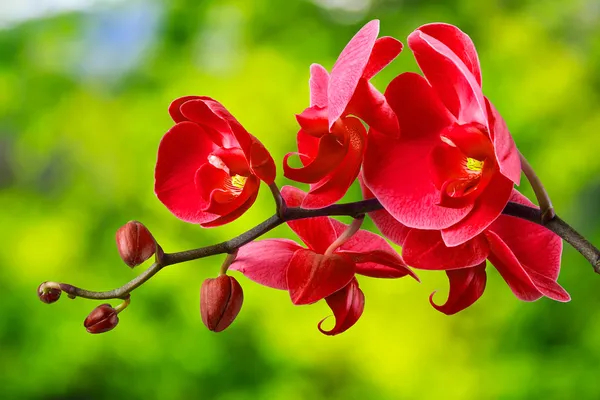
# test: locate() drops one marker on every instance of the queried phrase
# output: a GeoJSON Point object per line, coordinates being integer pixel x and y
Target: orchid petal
{"type": "Point", "coordinates": [347, 305]}
{"type": "Point", "coordinates": [319, 81]}
{"type": "Point", "coordinates": [349, 68]}
{"type": "Point", "coordinates": [317, 233]}
{"type": "Point", "coordinates": [183, 149]}
{"type": "Point", "coordinates": [451, 78]}
{"type": "Point", "coordinates": [487, 208]}
{"type": "Point", "coordinates": [466, 287]}
{"type": "Point", "coordinates": [426, 250]}
{"type": "Point", "coordinates": [312, 277]}
{"type": "Point", "coordinates": [265, 261]}
{"type": "Point", "coordinates": [506, 151]}
{"type": "Point", "coordinates": [330, 154]}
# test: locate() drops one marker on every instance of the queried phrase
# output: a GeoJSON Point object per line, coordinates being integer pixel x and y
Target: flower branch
{"type": "Point", "coordinates": [355, 209]}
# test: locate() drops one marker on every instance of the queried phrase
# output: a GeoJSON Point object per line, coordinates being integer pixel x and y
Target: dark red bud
{"type": "Point", "coordinates": [102, 319]}
{"type": "Point", "coordinates": [135, 243]}
{"type": "Point", "coordinates": [221, 299]}
{"type": "Point", "coordinates": [48, 294]}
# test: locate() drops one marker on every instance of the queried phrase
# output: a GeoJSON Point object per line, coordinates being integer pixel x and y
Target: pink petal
{"type": "Point", "coordinates": [488, 207]}
{"type": "Point", "coordinates": [349, 68]}
{"type": "Point", "coordinates": [452, 80]}
{"type": "Point", "coordinates": [319, 81]}
{"type": "Point", "coordinates": [535, 247]}
{"type": "Point", "coordinates": [329, 156]}
{"type": "Point", "coordinates": [379, 264]}
{"type": "Point", "coordinates": [347, 305]}
{"type": "Point", "coordinates": [426, 250]}
{"type": "Point", "coordinates": [397, 172]}
{"type": "Point", "coordinates": [527, 286]}
{"type": "Point", "coordinates": [334, 186]}
{"type": "Point", "coordinates": [458, 42]}
{"type": "Point", "coordinates": [266, 261]}
{"type": "Point", "coordinates": [183, 149]}
{"type": "Point", "coordinates": [317, 233]}
{"type": "Point", "coordinates": [504, 145]}
{"type": "Point", "coordinates": [387, 225]}
{"type": "Point", "coordinates": [312, 277]}
{"type": "Point", "coordinates": [384, 51]}
{"type": "Point", "coordinates": [466, 287]}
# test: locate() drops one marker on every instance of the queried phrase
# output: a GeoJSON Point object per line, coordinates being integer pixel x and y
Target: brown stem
{"type": "Point", "coordinates": [355, 210]}
{"type": "Point", "coordinates": [540, 192]}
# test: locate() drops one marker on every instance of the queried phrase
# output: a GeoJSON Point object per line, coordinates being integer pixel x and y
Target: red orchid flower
{"type": "Point", "coordinates": [331, 141]}
{"type": "Point", "coordinates": [525, 254]}
{"type": "Point", "coordinates": [455, 163]}
{"type": "Point", "coordinates": [322, 270]}
{"type": "Point", "coordinates": [209, 167]}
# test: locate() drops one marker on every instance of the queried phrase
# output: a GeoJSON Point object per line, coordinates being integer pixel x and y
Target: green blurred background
{"type": "Point", "coordinates": [84, 90]}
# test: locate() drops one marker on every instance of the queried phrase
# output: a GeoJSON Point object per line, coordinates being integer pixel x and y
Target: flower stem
{"type": "Point", "coordinates": [228, 261]}
{"type": "Point", "coordinates": [346, 235]}
{"type": "Point", "coordinates": [355, 210]}
{"type": "Point", "coordinates": [540, 192]}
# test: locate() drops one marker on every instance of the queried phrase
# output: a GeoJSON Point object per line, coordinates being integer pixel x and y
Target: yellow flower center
{"type": "Point", "coordinates": [474, 164]}
{"type": "Point", "coordinates": [238, 181]}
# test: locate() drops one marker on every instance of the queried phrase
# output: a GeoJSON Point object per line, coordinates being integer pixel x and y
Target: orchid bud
{"type": "Point", "coordinates": [47, 293]}
{"type": "Point", "coordinates": [221, 299]}
{"type": "Point", "coordinates": [135, 243]}
{"type": "Point", "coordinates": [102, 319]}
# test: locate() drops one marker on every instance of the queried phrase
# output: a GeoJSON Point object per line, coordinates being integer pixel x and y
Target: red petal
{"type": "Point", "coordinates": [223, 202]}
{"type": "Point", "coordinates": [371, 106]}
{"type": "Point", "coordinates": [535, 247]}
{"type": "Point", "coordinates": [214, 115]}
{"type": "Point", "coordinates": [235, 214]}
{"type": "Point", "coordinates": [419, 110]}
{"type": "Point", "coordinates": [174, 110]}
{"type": "Point", "coordinates": [347, 305]}
{"type": "Point", "coordinates": [384, 51]}
{"type": "Point", "coordinates": [466, 287]}
{"type": "Point", "coordinates": [183, 149]}
{"type": "Point", "coordinates": [312, 277]}
{"type": "Point", "coordinates": [506, 151]}
{"type": "Point", "coordinates": [349, 68]}
{"type": "Point", "coordinates": [397, 172]}
{"type": "Point", "coordinates": [334, 186]}
{"type": "Point", "coordinates": [266, 261]}
{"type": "Point", "coordinates": [451, 78]}
{"type": "Point", "coordinates": [488, 207]}
{"type": "Point", "coordinates": [313, 121]}
{"type": "Point", "coordinates": [458, 42]}
{"type": "Point", "coordinates": [208, 179]}
{"type": "Point", "coordinates": [233, 159]}
{"type": "Point", "coordinates": [308, 146]}
{"type": "Point", "coordinates": [330, 154]}
{"type": "Point", "coordinates": [379, 264]}
{"type": "Point", "coordinates": [317, 233]}
{"type": "Point", "coordinates": [426, 250]}
{"type": "Point", "coordinates": [387, 225]}
{"type": "Point", "coordinates": [319, 81]}
{"type": "Point", "coordinates": [197, 110]}
{"type": "Point", "coordinates": [373, 255]}
{"type": "Point", "coordinates": [527, 285]}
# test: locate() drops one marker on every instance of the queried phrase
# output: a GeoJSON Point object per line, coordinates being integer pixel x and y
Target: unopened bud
{"type": "Point", "coordinates": [102, 319]}
{"type": "Point", "coordinates": [49, 292]}
{"type": "Point", "coordinates": [221, 299]}
{"type": "Point", "coordinates": [135, 243]}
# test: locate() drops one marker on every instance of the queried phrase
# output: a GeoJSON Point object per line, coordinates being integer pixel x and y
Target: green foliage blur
{"type": "Point", "coordinates": [83, 106]}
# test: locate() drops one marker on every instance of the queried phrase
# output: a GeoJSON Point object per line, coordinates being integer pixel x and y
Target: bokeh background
{"type": "Point", "coordinates": [84, 90]}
